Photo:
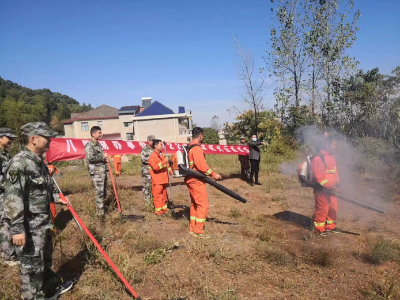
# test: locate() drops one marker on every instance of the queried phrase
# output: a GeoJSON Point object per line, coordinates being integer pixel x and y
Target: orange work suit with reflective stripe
{"type": "Point", "coordinates": [117, 164]}
{"type": "Point", "coordinates": [325, 204]}
{"type": "Point", "coordinates": [158, 165]}
{"type": "Point", "coordinates": [197, 189]}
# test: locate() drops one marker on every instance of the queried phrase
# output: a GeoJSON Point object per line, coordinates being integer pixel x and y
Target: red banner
{"type": "Point", "coordinates": [71, 149]}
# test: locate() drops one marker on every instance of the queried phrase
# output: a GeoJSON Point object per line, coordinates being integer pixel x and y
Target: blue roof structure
{"type": "Point", "coordinates": [128, 110]}
{"type": "Point", "coordinates": [155, 109]}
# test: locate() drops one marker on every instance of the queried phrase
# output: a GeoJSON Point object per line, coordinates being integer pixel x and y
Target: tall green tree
{"type": "Point", "coordinates": [287, 57]}
{"type": "Point", "coordinates": [335, 28]}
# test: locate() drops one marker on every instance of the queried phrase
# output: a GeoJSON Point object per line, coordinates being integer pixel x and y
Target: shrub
{"type": "Point", "coordinates": [381, 252]}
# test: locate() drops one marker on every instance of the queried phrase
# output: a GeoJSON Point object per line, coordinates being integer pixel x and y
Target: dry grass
{"type": "Point", "coordinates": [250, 255]}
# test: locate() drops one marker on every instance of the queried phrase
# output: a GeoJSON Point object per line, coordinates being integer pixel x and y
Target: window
{"type": "Point", "coordinates": [128, 124]}
{"type": "Point", "coordinates": [100, 124]}
{"type": "Point", "coordinates": [85, 126]}
{"type": "Point", "coordinates": [129, 136]}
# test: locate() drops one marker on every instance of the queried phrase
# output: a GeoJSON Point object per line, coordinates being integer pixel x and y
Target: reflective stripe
{"type": "Point", "coordinates": [191, 162]}
{"type": "Point", "coordinates": [208, 172]}
{"type": "Point", "coordinates": [192, 218]}
{"type": "Point", "coordinates": [150, 168]}
{"type": "Point", "coordinates": [158, 209]}
{"type": "Point", "coordinates": [160, 165]}
{"type": "Point", "coordinates": [331, 171]}
{"type": "Point", "coordinates": [323, 182]}
{"type": "Point", "coordinates": [169, 169]}
{"type": "Point", "coordinates": [319, 224]}
{"type": "Point", "coordinates": [330, 222]}
{"type": "Point", "coordinates": [200, 220]}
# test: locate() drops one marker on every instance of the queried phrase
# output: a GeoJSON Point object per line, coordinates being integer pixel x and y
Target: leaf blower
{"type": "Point", "coordinates": [181, 168]}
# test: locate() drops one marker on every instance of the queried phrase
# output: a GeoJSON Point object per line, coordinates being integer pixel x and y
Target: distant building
{"type": "Point", "coordinates": [133, 123]}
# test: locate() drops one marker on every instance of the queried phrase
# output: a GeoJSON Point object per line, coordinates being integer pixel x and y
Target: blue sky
{"type": "Point", "coordinates": [178, 52]}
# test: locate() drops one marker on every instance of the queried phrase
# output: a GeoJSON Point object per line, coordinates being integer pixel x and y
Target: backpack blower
{"type": "Point", "coordinates": [181, 168]}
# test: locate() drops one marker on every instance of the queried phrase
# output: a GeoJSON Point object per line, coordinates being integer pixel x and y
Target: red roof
{"type": "Point", "coordinates": [89, 118]}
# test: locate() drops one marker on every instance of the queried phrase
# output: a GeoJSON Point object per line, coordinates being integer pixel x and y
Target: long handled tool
{"type": "Point", "coordinates": [189, 172]}
{"type": "Point", "coordinates": [96, 243]}
{"type": "Point", "coordinates": [170, 197]}
{"type": "Point", "coordinates": [63, 197]}
{"type": "Point", "coordinates": [115, 189]}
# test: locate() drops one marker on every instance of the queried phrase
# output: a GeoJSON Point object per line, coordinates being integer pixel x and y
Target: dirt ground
{"type": "Point", "coordinates": [259, 250]}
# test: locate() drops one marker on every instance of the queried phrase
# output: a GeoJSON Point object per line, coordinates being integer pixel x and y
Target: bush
{"type": "Point", "coordinates": [211, 136]}
{"type": "Point", "coordinates": [381, 252]}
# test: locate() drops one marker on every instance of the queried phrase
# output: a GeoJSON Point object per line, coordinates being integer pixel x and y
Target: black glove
{"type": "Point", "coordinates": [171, 163]}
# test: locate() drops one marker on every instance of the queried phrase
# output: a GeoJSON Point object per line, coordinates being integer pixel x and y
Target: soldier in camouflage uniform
{"type": "Point", "coordinates": [97, 166]}
{"type": "Point", "coordinates": [7, 247]}
{"type": "Point", "coordinates": [28, 191]}
{"type": "Point", "coordinates": [146, 178]}
{"type": "Point", "coordinates": [244, 162]}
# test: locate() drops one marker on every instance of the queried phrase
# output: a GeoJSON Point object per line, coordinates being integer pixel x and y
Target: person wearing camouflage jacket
{"type": "Point", "coordinates": [6, 245]}
{"type": "Point", "coordinates": [28, 192]}
{"type": "Point", "coordinates": [97, 166]}
{"type": "Point", "coordinates": [146, 178]}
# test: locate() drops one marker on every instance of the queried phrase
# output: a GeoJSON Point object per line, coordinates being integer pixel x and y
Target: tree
{"type": "Point", "coordinates": [287, 58]}
{"type": "Point", "coordinates": [214, 124]}
{"type": "Point", "coordinates": [269, 126]}
{"type": "Point", "coordinates": [21, 105]}
{"type": "Point", "coordinates": [368, 104]}
{"type": "Point", "coordinates": [211, 136]}
{"type": "Point", "coordinates": [254, 83]}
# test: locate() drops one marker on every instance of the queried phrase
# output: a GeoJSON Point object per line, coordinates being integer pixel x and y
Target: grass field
{"type": "Point", "coordinates": [259, 250]}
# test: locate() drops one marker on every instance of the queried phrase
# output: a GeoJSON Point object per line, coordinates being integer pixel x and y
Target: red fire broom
{"type": "Point", "coordinates": [96, 243]}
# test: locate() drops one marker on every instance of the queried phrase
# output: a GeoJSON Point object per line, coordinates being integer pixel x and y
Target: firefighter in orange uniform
{"type": "Point", "coordinates": [117, 164]}
{"type": "Point", "coordinates": [197, 188]}
{"type": "Point", "coordinates": [159, 168]}
{"type": "Point", "coordinates": [325, 173]}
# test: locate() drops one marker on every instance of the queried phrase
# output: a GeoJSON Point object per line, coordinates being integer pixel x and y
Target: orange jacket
{"type": "Point", "coordinates": [197, 161]}
{"type": "Point", "coordinates": [158, 165]}
{"type": "Point", "coordinates": [327, 176]}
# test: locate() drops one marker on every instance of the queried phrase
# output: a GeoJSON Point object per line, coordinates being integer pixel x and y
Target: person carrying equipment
{"type": "Point", "coordinates": [117, 164]}
{"type": "Point", "coordinates": [197, 188]}
{"type": "Point", "coordinates": [7, 248]}
{"type": "Point", "coordinates": [323, 166]}
{"type": "Point", "coordinates": [28, 191]}
{"type": "Point", "coordinates": [159, 168]}
{"type": "Point", "coordinates": [97, 166]}
{"type": "Point", "coordinates": [146, 178]}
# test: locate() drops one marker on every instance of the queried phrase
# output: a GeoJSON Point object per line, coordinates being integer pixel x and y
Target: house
{"type": "Point", "coordinates": [104, 116]}
{"type": "Point", "coordinates": [133, 123]}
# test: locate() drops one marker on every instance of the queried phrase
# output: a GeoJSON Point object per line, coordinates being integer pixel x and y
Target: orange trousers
{"type": "Point", "coordinates": [199, 207]}
{"type": "Point", "coordinates": [325, 211]}
{"type": "Point", "coordinates": [160, 198]}
{"type": "Point", "coordinates": [117, 165]}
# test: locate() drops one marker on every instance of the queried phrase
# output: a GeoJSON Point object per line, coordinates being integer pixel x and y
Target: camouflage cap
{"type": "Point", "coordinates": [242, 137]}
{"type": "Point", "coordinates": [38, 128]}
{"type": "Point", "coordinates": [151, 138]}
{"type": "Point", "coordinates": [6, 132]}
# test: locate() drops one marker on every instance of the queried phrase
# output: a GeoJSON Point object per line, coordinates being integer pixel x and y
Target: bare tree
{"type": "Point", "coordinates": [254, 83]}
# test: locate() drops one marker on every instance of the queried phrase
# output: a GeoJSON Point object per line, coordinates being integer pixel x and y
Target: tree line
{"type": "Point", "coordinates": [20, 105]}
{"type": "Point", "coordinates": [314, 79]}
